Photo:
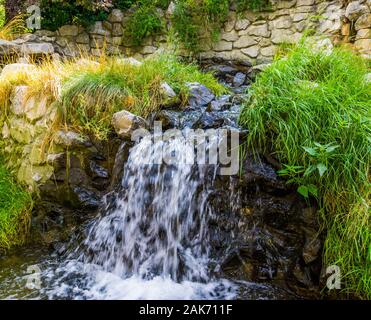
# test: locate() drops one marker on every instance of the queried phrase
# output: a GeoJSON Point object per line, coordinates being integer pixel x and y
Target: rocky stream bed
{"type": "Point", "coordinates": [249, 235]}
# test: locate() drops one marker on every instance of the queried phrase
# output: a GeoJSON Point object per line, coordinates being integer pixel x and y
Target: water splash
{"type": "Point", "coordinates": [151, 241]}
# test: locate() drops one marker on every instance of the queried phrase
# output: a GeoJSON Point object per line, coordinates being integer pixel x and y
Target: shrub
{"type": "Point", "coordinates": [145, 21]}
{"type": "Point", "coordinates": [197, 19]}
{"type": "Point", "coordinates": [12, 28]}
{"type": "Point", "coordinates": [124, 4]}
{"type": "Point", "coordinates": [55, 14]}
{"type": "Point", "coordinates": [15, 210]}
{"type": "Point", "coordinates": [254, 5]}
{"type": "Point", "coordinates": [312, 111]}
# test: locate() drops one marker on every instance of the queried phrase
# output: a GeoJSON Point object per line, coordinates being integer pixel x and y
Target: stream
{"type": "Point", "coordinates": [173, 228]}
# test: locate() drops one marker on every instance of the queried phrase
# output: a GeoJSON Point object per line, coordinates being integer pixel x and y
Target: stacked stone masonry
{"type": "Point", "coordinates": [248, 36]}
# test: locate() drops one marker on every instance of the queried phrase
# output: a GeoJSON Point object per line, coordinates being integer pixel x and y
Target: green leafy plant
{"type": "Point", "coordinates": [311, 110]}
{"type": "Point", "coordinates": [145, 21]}
{"type": "Point", "coordinates": [55, 14]}
{"type": "Point", "coordinates": [194, 20]}
{"type": "Point", "coordinates": [254, 5]}
{"type": "Point", "coordinates": [15, 210]}
{"type": "Point", "coordinates": [124, 4]}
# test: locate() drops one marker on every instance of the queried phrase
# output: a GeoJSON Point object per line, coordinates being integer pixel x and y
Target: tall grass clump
{"type": "Point", "coordinates": [13, 28]}
{"type": "Point", "coordinates": [2, 13]}
{"type": "Point", "coordinates": [311, 110]}
{"type": "Point", "coordinates": [15, 210]}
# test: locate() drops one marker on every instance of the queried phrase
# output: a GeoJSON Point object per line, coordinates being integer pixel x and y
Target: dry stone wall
{"type": "Point", "coordinates": [248, 36]}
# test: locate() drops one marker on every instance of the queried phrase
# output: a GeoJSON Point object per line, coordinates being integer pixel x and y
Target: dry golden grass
{"type": "Point", "coordinates": [13, 28]}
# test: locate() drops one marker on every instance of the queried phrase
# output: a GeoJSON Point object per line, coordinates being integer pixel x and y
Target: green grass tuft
{"type": "Point", "coordinates": [312, 111]}
{"type": "Point", "coordinates": [15, 210]}
{"type": "Point", "coordinates": [2, 13]}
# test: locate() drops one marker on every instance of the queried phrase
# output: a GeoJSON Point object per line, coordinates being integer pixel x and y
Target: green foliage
{"type": "Point", "coordinates": [15, 209]}
{"type": "Point", "coordinates": [313, 110]}
{"type": "Point", "coordinates": [91, 95]}
{"type": "Point", "coordinates": [2, 13]}
{"type": "Point", "coordinates": [254, 5]}
{"type": "Point", "coordinates": [55, 14]}
{"type": "Point", "coordinates": [123, 4]}
{"type": "Point", "coordinates": [145, 21]}
{"type": "Point", "coordinates": [196, 19]}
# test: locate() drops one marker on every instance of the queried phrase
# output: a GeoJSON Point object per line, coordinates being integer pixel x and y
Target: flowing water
{"type": "Point", "coordinates": [151, 240]}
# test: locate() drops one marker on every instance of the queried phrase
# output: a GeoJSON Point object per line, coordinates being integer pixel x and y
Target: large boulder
{"type": "Point", "coordinates": [16, 69]}
{"type": "Point", "coordinates": [199, 95]}
{"type": "Point", "coordinates": [8, 48]}
{"type": "Point", "coordinates": [125, 123]}
{"type": "Point", "coordinates": [34, 48]}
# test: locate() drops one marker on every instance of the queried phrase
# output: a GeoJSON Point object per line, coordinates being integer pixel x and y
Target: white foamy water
{"type": "Point", "coordinates": [152, 241]}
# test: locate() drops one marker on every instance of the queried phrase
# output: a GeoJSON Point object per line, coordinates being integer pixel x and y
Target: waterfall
{"type": "Point", "coordinates": [151, 241]}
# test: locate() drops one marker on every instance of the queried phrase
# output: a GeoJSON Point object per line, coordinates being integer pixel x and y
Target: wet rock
{"type": "Point", "coordinates": [239, 79]}
{"type": "Point", "coordinates": [257, 172]}
{"type": "Point", "coordinates": [125, 123]}
{"type": "Point", "coordinates": [214, 120]}
{"type": "Point", "coordinates": [221, 103]}
{"type": "Point", "coordinates": [257, 291]}
{"type": "Point", "coordinates": [98, 171]}
{"type": "Point", "coordinates": [222, 71]}
{"type": "Point", "coordinates": [189, 119]}
{"type": "Point", "coordinates": [262, 231]}
{"type": "Point", "coordinates": [199, 96]}
{"type": "Point", "coordinates": [312, 247]}
{"type": "Point", "coordinates": [169, 119]}
{"type": "Point", "coordinates": [122, 156]}
{"type": "Point", "coordinates": [209, 120]}
{"type": "Point", "coordinates": [239, 90]}
{"type": "Point", "coordinates": [86, 198]}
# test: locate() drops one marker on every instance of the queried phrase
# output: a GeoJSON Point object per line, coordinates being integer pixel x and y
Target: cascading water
{"type": "Point", "coordinates": [151, 241]}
